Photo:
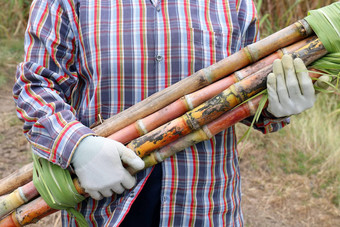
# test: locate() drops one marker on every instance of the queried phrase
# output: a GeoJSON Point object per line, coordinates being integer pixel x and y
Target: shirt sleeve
{"type": "Point", "coordinates": [45, 82]}
{"type": "Point", "coordinates": [250, 26]}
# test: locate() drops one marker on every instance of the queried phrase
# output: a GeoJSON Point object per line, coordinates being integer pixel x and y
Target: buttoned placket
{"type": "Point", "coordinates": [159, 58]}
{"type": "Point", "coordinates": [159, 48]}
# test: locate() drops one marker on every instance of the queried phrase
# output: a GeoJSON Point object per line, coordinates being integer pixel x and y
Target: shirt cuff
{"type": "Point", "coordinates": [67, 141]}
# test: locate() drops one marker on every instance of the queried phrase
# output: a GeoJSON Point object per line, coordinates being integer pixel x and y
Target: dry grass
{"type": "Point", "coordinates": [277, 14]}
{"type": "Point", "coordinates": [13, 17]}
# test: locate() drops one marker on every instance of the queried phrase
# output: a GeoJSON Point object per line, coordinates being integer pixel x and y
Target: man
{"type": "Point", "coordinates": [87, 60]}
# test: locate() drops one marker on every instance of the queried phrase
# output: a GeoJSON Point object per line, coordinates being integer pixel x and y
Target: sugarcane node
{"type": "Point", "coordinates": [140, 127]}
{"type": "Point", "coordinates": [10, 220]}
{"type": "Point", "coordinates": [304, 28]}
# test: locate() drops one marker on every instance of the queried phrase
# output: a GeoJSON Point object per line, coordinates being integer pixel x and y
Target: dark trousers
{"type": "Point", "coordinates": [145, 211]}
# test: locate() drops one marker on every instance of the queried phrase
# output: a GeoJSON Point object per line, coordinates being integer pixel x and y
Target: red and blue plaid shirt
{"type": "Point", "coordinates": [91, 58]}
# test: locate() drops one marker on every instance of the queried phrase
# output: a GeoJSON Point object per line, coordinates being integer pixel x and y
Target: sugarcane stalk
{"type": "Point", "coordinates": [16, 179]}
{"type": "Point", "coordinates": [215, 107]}
{"type": "Point", "coordinates": [168, 113]}
{"type": "Point", "coordinates": [17, 198]}
{"type": "Point", "coordinates": [28, 213]}
{"type": "Point", "coordinates": [205, 133]}
{"type": "Point", "coordinates": [192, 100]}
{"type": "Point", "coordinates": [206, 76]}
{"type": "Point", "coordinates": [247, 55]}
{"type": "Point", "coordinates": [36, 209]}
{"type": "Point", "coordinates": [253, 84]}
{"type": "Point", "coordinates": [33, 211]}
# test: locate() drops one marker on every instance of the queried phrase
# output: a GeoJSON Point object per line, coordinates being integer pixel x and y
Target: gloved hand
{"type": "Point", "coordinates": [97, 162]}
{"type": "Point", "coordinates": [290, 89]}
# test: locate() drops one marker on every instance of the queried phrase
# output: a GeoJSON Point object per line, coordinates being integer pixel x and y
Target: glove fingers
{"type": "Point", "coordinates": [274, 106]}
{"type": "Point", "coordinates": [271, 88]}
{"type": "Point", "coordinates": [95, 195]}
{"type": "Point", "coordinates": [128, 181]}
{"type": "Point", "coordinates": [280, 82]}
{"type": "Point", "coordinates": [118, 188]}
{"type": "Point", "coordinates": [129, 157]}
{"type": "Point", "coordinates": [305, 81]}
{"type": "Point", "coordinates": [292, 83]}
{"type": "Point", "coordinates": [106, 192]}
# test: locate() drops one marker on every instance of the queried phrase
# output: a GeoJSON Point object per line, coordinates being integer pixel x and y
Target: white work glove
{"type": "Point", "coordinates": [98, 163]}
{"type": "Point", "coordinates": [290, 89]}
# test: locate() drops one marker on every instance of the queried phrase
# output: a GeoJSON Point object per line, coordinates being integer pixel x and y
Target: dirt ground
{"type": "Point", "coordinates": [281, 200]}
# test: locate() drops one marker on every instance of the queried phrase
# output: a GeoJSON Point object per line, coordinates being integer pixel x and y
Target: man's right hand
{"type": "Point", "coordinates": [98, 163]}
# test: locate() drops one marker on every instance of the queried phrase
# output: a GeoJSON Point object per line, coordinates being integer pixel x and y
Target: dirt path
{"type": "Point", "coordinates": [281, 199]}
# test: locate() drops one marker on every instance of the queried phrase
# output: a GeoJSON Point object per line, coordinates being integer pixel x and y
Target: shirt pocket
{"type": "Point", "coordinates": [204, 37]}
{"type": "Point", "coordinates": [210, 44]}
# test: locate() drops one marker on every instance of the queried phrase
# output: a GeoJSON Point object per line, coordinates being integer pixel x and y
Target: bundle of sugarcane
{"type": "Point", "coordinates": [199, 121]}
{"type": "Point", "coordinates": [203, 115]}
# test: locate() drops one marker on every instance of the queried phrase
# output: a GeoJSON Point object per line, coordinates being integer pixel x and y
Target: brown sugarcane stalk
{"type": "Point", "coordinates": [16, 179]}
{"type": "Point", "coordinates": [311, 52]}
{"type": "Point", "coordinates": [215, 107]}
{"type": "Point", "coordinates": [17, 198]}
{"type": "Point", "coordinates": [192, 100]}
{"type": "Point", "coordinates": [238, 60]}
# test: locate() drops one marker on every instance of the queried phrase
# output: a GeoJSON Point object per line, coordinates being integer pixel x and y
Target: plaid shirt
{"type": "Point", "coordinates": [86, 59]}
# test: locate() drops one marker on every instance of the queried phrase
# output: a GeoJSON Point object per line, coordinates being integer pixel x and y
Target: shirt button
{"type": "Point", "coordinates": [159, 58]}
{"type": "Point", "coordinates": [158, 8]}
{"type": "Point", "coordinates": [163, 199]}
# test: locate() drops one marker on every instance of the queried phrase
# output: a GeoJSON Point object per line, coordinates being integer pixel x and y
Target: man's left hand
{"type": "Point", "coordinates": [290, 89]}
